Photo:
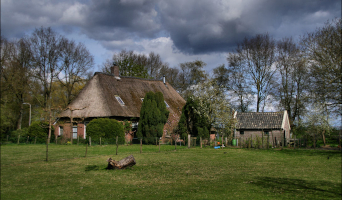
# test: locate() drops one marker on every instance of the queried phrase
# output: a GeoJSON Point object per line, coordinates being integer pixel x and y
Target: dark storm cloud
{"type": "Point", "coordinates": [194, 26]}
{"type": "Point", "coordinates": [118, 20]}
{"type": "Point", "coordinates": [207, 26]}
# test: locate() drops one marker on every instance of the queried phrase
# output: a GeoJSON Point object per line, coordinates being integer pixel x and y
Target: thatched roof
{"type": "Point", "coordinates": [98, 97]}
{"type": "Point", "coordinates": [258, 120]}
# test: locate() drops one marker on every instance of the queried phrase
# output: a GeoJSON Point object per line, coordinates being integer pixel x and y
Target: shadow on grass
{"type": "Point", "coordinates": [301, 188]}
{"type": "Point", "coordinates": [306, 152]}
{"type": "Point", "coordinates": [91, 168]}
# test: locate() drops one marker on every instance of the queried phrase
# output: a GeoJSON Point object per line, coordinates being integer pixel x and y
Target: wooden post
{"type": "Point", "coordinates": [86, 151]}
{"type": "Point", "coordinates": [35, 140]}
{"type": "Point", "coordinates": [201, 141]}
{"type": "Point", "coordinates": [89, 141]}
{"type": "Point", "coordinates": [27, 139]}
{"type": "Point", "coordinates": [268, 140]}
{"type": "Point", "coordinates": [159, 146]}
{"type": "Point", "coordinates": [78, 139]}
{"type": "Point", "coordinates": [175, 144]}
{"type": "Point", "coordinates": [262, 139]}
{"type": "Point", "coordinates": [140, 145]}
{"type": "Point", "coordinates": [294, 143]}
{"type": "Point", "coordinates": [18, 139]}
{"type": "Point", "coordinates": [156, 141]}
{"type": "Point", "coordinates": [56, 139]}
{"type": "Point", "coordinates": [117, 137]}
{"type": "Point", "coordinates": [189, 140]}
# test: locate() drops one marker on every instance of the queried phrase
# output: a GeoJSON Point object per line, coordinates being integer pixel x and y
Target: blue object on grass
{"type": "Point", "coordinates": [217, 147]}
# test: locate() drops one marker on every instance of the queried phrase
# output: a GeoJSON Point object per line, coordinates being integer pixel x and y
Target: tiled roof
{"type": "Point", "coordinates": [258, 120]}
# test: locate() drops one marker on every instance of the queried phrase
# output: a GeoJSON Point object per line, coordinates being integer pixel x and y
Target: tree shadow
{"type": "Point", "coordinates": [301, 188]}
{"type": "Point", "coordinates": [92, 168]}
{"type": "Point", "coordinates": [311, 152]}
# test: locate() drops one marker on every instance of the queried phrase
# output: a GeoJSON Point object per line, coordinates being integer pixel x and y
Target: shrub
{"type": "Point", "coordinates": [41, 131]}
{"type": "Point", "coordinates": [105, 128]}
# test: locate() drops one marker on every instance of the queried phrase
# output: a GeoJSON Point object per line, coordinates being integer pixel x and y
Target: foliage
{"type": "Point", "coordinates": [153, 116]}
{"type": "Point", "coordinates": [41, 131]}
{"type": "Point", "coordinates": [191, 122]}
{"type": "Point", "coordinates": [213, 105]}
{"type": "Point", "coordinates": [105, 128]}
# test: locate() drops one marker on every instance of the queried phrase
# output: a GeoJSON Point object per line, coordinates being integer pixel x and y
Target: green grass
{"type": "Point", "coordinates": [183, 174]}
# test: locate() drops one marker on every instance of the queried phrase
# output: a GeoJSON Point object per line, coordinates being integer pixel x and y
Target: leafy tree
{"type": "Point", "coordinates": [105, 128]}
{"type": "Point", "coordinates": [214, 106]}
{"type": "Point", "coordinates": [191, 122]}
{"type": "Point", "coordinates": [153, 116]}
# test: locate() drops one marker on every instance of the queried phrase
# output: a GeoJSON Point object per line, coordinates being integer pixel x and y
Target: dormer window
{"type": "Point", "coordinates": [119, 100]}
{"type": "Point", "coordinates": [142, 99]}
{"type": "Point", "coordinates": [167, 105]}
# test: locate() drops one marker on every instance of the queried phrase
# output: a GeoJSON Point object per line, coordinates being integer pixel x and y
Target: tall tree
{"type": "Point", "coordinates": [257, 56]}
{"type": "Point", "coordinates": [292, 76]}
{"type": "Point", "coordinates": [323, 49]}
{"type": "Point", "coordinates": [76, 60]}
{"type": "Point", "coordinates": [153, 116]}
{"type": "Point", "coordinates": [191, 73]}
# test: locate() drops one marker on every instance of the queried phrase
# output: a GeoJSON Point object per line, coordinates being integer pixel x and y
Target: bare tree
{"type": "Point", "coordinates": [323, 49]}
{"type": "Point", "coordinates": [292, 76]}
{"type": "Point", "coordinates": [154, 64]}
{"type": "Point", "coordinates": [76, 61]}
{"type": "Point", "coordinates": [258, 55]}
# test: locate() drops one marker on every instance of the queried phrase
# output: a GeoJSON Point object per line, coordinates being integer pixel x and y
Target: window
{"type": "Point", "coordinates": [167, 105]}
{"type": "Point", "coordinates": [242, 132]}
{"type": "Point", "coordinates": [61, 130]}
{"type": "Point", "coordinates": [74, 132]}
{"type": "Point", "coordinates": [142, 99]}
{"type": "Point", "coordinates": [119, 100]}
{"type": "Point", "coordinates": [266, 132]}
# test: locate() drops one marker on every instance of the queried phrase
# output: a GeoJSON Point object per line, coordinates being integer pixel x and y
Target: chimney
{"type": "Point", "coordinates": [115, 70]}
{"type": "Point", "coordinates": [164, 79]}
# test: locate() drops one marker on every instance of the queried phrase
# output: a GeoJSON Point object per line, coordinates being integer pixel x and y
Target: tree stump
{"type": "Point", "coordinates": [122, 164]}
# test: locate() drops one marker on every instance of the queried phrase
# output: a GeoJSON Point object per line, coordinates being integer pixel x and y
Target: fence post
{"type": "Point", "coordinates": [56, 138]}
{"type": "Point", "coordinates": [117, 137]}
{"type": "Point", "coordinates": [268, 140]}
{"type": "Point", "coordinates": [35, 140]}
{"type": "Point", "coordinates": [159, 145]}
{"type": "Point", "coordinates": [78, 139]}
{"type": "Point", "coordinates": [262, 139]}
{"type": "Point", "coordinates": [89, 141]}
{"type": "Point", "coordinates": [189, 141]}
{"type": "Point", "coordinates": [18, 139]}
{"type": "Point", "coordinates": [175, 144]}
{"type": "Point", "coordinates": [116, 142]}
{"type": "Point", "coordinates": [201, 141]}
{"type": "Point", "coordinates": [140, 145]}
{"type": "Point", "coordinates": [86, 151]}
{"type": "Point", "coordinates": [27, 139]}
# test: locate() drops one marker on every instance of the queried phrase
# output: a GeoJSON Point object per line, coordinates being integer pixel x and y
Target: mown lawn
{"type": "Point", "coordinates": [183, 174]}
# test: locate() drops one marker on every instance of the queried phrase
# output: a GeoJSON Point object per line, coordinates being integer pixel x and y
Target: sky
{"type": "Point", "coordinates": [178, 30]}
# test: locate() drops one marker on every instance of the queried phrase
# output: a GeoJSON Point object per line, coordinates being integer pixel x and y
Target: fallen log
{"type": "Point", "coordinates": [122, 164]}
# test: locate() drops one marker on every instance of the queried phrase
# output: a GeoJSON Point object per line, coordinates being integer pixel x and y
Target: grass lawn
{"type": "Point", "coordinates": [183, 174]}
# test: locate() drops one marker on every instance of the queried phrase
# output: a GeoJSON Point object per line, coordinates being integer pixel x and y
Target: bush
{"type": "Point", "coordinates": [41, 131]}
{"type": "Point", "coordinates": [105, 128]}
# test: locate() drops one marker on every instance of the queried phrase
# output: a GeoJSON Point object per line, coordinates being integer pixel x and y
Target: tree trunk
{"type": "Point", "coordinates": [122, 164]}
{"type": "Point", "coordinates": [323, 136]}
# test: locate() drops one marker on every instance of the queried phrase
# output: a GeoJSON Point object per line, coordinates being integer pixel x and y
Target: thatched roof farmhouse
{"type": "Point", "coordinates": [117, 97]}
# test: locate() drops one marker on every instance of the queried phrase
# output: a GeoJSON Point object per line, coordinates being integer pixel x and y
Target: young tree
{"type": "Point", "coordinates": [153, 116]}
